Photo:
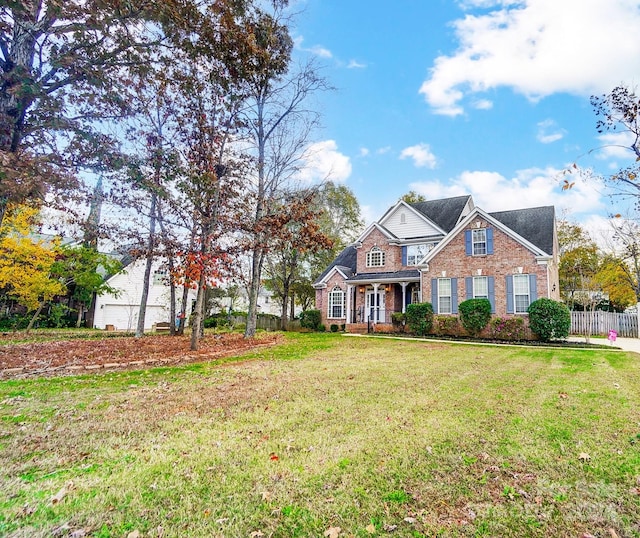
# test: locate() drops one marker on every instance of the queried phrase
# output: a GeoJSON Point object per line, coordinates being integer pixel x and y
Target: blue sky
{"type": "Point", "coordinates": [485, 97]}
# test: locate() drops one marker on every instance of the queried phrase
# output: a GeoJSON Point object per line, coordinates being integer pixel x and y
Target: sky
{"type": "Point", "coordinates": [483, 97]}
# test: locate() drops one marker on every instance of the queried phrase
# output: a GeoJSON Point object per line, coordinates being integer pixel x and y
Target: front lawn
{"type": "Point", "coordinates": [330, 436]}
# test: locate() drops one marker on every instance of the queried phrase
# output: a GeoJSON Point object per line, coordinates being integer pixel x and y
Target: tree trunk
{"type": "Point", "coordinates": [142, 312]}
{"type": "Point", "coordinates": [80, 312]}
{"type": "Point", "coordinates": [197, 314]}
{"type": "Point", "coordinates": [254, 290]}
{"type": "Point", "coordinates": [292, 312]}
{"type": "Point", "coordinates": [35, 317]}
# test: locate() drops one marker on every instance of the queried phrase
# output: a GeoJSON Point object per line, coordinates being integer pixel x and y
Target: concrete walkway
{"type": "Point", "coordinates": [626, 344]}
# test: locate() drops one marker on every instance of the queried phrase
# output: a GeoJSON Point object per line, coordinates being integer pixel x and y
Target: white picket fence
{"type": "Point", "coordinates": [598, 322]}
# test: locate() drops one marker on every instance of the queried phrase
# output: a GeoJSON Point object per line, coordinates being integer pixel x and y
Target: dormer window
{"type": "Point", "coordinates": [375, 257]}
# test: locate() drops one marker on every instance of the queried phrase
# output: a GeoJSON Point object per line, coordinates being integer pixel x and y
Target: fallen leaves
{"type": "Point", "coordinates": [72, 356]}
{"type": "Point", "coordinates": [332, 532]}
{"type": "Point", "coordinates": [583, 456]}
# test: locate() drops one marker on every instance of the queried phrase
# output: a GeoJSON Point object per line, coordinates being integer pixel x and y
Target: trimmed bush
{"type": "Point", "coordinates": [311, 319]}
{"type": "Point", "coordinates": [334, 327]}
{"type": "Point", "coordinates": [508, 328]}
{"type": "Point", "coordinates": [475, 315]}
{"type": "Point", "coordinates": [446, 326]}
{"type": "Point", "coordinates": [419, 318]}
{"type": "Point", "coordinates": [549, 319]}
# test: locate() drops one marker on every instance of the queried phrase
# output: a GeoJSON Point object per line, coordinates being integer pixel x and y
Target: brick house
{"type": "Point", "coordinates": [442, 252]}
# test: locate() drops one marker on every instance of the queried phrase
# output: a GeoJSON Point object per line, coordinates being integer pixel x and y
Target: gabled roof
{"type": "Point", "coordinates": [375, 226]}
{"type": "Point", "coordinates": [445, 213]}
{"type": "Point", "coordinates": [345, 262]}
{"type": "Point", "coordinates": [517, 218]}
{"type": "Point", "coordinates": [535, 224]}
{"type": "Point", "coordinates": [383, 221]}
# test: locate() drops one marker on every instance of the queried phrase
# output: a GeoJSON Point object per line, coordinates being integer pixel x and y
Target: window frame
{"type": "Point", "coordinates": [479, 247]}
{"type": "Point", "coordinates": [521, 278]}
{"type": "Point", "coordinates": [441, 296]}
{"type": "Point", "coordinates": [475, 294]}
{"type": "Point", "coordinates": [160, 278]}
{"type": "Point", "coordinates": [379, 255]}
{"type": "Point", "coordinates": [336, 298]}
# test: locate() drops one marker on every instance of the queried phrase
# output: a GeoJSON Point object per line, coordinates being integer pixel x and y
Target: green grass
{"type": "Point", "coordinates": [373, 436]}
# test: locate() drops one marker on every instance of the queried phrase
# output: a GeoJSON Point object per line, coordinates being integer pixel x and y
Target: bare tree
{"type": "Point", "coordinates": [279, 126]}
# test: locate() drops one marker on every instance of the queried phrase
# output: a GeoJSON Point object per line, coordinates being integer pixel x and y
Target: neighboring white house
{"type": "Point", "coordinates": [121, 312]}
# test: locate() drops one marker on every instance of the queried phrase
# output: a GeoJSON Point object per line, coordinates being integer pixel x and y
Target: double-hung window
{"type": "Point", "coordinates": [444, 296]}
{"type": "Point", "coordinates": [478, 241]}
{"type": "Point", "coordinates": [479, 238]}
{"type": "Point", "coordinates": [375, 257]}
{"type": "Point", "coordinates": [480, 287]}
{"type": "Point", "coordinates": [336, 303]}
{"type": "Point", "coordinates": [521, 293]}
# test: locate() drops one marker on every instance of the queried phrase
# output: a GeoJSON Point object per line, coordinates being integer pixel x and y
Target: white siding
{"type": "Point", "coordinates": [412, 225]}
{"type": "Point", "coordinates": [121, 311]}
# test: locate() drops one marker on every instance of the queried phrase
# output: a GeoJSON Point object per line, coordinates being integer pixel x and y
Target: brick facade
{"type": "Point", "coordinates": [509, 257]}
{"type": "Point", "coordinates": [393, 253]}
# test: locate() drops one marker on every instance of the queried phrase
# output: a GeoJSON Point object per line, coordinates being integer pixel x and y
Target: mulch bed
{"type": "Point", "coordinates": [72, 357]}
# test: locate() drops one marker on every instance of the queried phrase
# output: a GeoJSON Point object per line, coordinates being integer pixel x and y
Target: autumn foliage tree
{"type": "Point", "coordinates": [26, 262]}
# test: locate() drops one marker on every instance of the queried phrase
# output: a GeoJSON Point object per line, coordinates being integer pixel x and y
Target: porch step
{"type": "Point", "coordinates": [356, 328]}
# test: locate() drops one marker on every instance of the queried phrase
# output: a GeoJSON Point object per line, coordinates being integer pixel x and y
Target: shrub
{"type": "Point", "coordinates": [311, 319]}
{"type": "Point", "coordinates": [210, 323]}
{"type": "Point", "coordinates": [475, 315]}
{"type": "Point", "coordinates": [321, 328]}
{"type": "Point", "coordinates": [398, 318]}
{"type": "Point", "coordinates": [446, 325]}
{"type": "Point", "coordinates": [334, 327]}
{"type": "Point", "coordinates": [419, 318]}
{"type": "Point", "coordinates": [549, 319]}
{"type": "Point", "coordinates": [507, 328]}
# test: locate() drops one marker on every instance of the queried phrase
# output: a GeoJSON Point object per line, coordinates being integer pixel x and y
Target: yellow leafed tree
{"type": "Point", "coordinates": [25, 261]}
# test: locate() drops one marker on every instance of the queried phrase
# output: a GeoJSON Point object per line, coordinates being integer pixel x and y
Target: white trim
{"type": "Point", "coordinates": [404, 204]}
{"type": "Point", "coordinates": [370, 228]}
{"type": "Point", "coordinates": [494, 222]}
{"type": "Point", "coordinates": [323, 283]}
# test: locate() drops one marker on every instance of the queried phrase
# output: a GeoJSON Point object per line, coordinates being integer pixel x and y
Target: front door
{"type": "Point", "coordinates": [374, 307]}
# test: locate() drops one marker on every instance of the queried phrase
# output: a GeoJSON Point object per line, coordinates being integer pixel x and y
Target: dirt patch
{"type": "Point", "coordinates": [70, 357]}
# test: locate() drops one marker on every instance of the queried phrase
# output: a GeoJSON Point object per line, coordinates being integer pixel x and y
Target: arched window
{"type": "Point", "coordinates": [336, 303]}
{"type": "Point", "coordinates": [403, 218]}
{"type": "Point", "coordinates": [375, 257]}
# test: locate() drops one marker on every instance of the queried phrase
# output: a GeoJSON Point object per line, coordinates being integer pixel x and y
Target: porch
{"type": "Point", "coordinates": [372, 298]}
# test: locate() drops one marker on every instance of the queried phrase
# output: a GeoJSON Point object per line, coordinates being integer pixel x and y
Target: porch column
{"type": "Point", "coordinates": [404, 296]}
{"type": "Point", "coordinates": [375, 307]}
{"type": "Point", "coordinates": [349, 292]}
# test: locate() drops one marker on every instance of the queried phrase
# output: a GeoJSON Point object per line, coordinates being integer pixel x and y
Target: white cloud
{"type": "Point", "coordinates": [483, 104]}
{"type": "Point", "coordinates": [364, 152]}
{"type": "Point", "coordinates": [321, 51]}
{"type": "Point", "coordinates": [382, 151]}
{"type": "Point", "coordinates": [532, 187]}
{"type": "Point", "coordinates": [317, 50]}
{"type": "Point", "coordinates": [537, 47]}
{"type": "Point", "coordinates": [353, 64]}
{"type": "Point", "coordinates": [549, 131]}
{"type": "Point", "coordinates": [616, 146]}
{"type": "Point", "coordinates": [421, 154]}
{"type": "Point", "coordinates": [323, 161]}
